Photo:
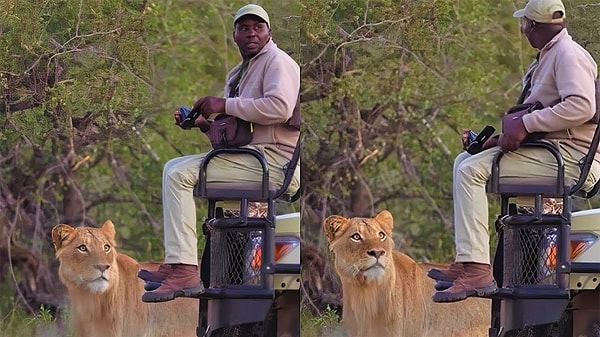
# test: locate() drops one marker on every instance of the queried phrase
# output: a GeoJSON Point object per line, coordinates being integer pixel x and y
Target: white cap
{"type": "Point", "coordinates": [252, 9]}
{"type": "Point", "coordinates": [543, 11]}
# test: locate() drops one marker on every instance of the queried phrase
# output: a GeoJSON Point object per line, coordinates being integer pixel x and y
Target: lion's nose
{"type": "Point", "coordinates": [101, 267]}
{"type": "Point", "coordinates": [376, 253]}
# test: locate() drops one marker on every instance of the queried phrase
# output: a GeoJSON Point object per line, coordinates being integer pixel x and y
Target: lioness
{"type": "Point", "coordinates": [388, 294]}
{"type": "Point", "coordinates": [105, 293]}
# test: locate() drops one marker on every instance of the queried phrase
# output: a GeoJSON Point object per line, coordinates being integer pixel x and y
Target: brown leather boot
{"type": "Point", "coordinates": [184, 281]}
{"type": "Point", "coordinates": [164, 270]}
{"type": "Point", "coordinates": [476, 280]}
{"type": "Point", "coordinates": [447, 275]}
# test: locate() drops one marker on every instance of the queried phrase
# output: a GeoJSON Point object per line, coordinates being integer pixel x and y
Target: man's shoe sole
{"type": "Point", "coordinates": [152, 296]}
{"type": "Point", "coordinates": [447, 297]}
{"type": "Point", "coordinates": [191, 292]}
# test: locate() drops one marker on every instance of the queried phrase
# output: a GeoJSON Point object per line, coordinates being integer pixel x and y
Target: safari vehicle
{"type": "Point", "coordinates": [251, 263]}
{"type": "Point", "coordinates": [547, 265]}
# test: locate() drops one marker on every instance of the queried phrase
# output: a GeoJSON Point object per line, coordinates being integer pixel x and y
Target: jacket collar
{"type": "Point", "coordinates": [268, 46]}
{"type": "Point", "coordinates": [563, 34]}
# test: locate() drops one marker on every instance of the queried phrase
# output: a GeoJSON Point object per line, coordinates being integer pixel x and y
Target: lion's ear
{"type": "Point", "coordinates": [386, 219]}
{"type": "Point", "coordinates": [60, 234]}
{"type": "Point", "coordinates": [109, 229]}
{"type": "Point", "coordinates": [332, 225]}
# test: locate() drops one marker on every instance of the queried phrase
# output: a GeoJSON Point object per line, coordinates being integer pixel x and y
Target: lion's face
{"type": "Point", "coordinates": [362, 246]}
{"type": "Point", "coordinates": [87, 256]}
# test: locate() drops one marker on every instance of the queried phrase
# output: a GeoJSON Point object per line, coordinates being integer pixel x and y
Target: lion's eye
{"type": "Point", "coordinates": [355, 237]}
{"type": "Point", "coordinates": [107, 248]}
{"type": "Point", "coordinates": [82, 248]}
{"type": "Point", "coordinates": [381, 236]}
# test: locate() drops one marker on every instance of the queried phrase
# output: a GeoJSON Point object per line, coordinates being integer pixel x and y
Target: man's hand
{"type": "Point", "coordinates": [465, 138]}
{"type": "Point", "coordinates": [209, 105]}
{"type": "Point", "coordinates": [199, 122]}
{"type": "Point", "coordinates": [513, 131]}
{"type": "Point", "coordinates": [177, 115]}
{"type": "Point", "coordinates": [491, 142]}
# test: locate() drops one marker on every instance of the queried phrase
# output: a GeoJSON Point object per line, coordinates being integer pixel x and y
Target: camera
{"type": "Point", "coordinates": [188, 119]}
{"type": "Point", "coordinates": [475, 141]}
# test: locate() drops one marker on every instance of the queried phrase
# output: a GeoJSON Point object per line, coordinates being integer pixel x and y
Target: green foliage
{"type": "Point", "coordinates": [78, 79]}
{"type": "Point", "coordinates": [89, 90]}
{"type": "Point", "coordinates": [17, 322]}
{"type": "Point", "coordinates": [388, 87]}
{"type": "Point", "coordinates": [326, 324]}
{"type": "Point", "coordinates": [45, 315]}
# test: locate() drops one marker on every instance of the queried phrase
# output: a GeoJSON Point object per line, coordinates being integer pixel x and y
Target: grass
{"type": "Point", "coordinates": [15, 321]}
{"type": "Point", "coordinates": [18, 323]}
{"type": "Point", "coordinates": [328, 324]}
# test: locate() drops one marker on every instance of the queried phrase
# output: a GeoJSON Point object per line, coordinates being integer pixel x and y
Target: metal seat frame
{"type": "Point", "coordinates": [224, 306]}
{"type": "Point", "coordinates": [515, 306]}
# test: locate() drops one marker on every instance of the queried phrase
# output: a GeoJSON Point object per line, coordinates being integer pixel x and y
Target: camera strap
{"type": "Point", "coordinates": [234, 87]}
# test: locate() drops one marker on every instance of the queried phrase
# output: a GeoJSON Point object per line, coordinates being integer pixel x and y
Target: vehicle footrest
{"type": "Point", "coordinates": [226, 222]}
{"type": "Point", "coordinates": [531, 292]}
{"type": "Point", "coordinates": [239, 222]}
{"type": "Point", "coordinates": [228, 293]}
{"type": "Point", "coordinates": [527, 219]}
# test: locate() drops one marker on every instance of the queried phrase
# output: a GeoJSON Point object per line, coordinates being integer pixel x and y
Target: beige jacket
{"type": "Point", "coordinates": [267, 96]}
{"type": "Point", "coordinates": [565, 74]}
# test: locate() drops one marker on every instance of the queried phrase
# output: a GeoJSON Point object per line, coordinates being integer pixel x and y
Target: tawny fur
{"type": "Point", "coordinates": [390, 296]}
{"type": "Point", "coordinates": [112, 306]}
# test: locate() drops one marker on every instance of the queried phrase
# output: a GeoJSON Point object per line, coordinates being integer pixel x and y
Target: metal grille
{"type": "Point", "coordinates": [529, 255]}
{"type": "Point", "coordinates": [235, 257]}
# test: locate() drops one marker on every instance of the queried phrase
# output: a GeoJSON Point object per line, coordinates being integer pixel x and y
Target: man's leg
{"type": "Point", "coordinates": [445, 277]}
{"type": "Point", "coordinates": [179, 215]}
{"type": "Point", "coordinates": [526, 165]}
{"type": "Point", "coordinates": [180, 175]}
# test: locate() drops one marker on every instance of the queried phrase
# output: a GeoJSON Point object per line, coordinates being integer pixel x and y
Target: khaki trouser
{"type": "Point", "coordinates": [180, 175]}
{"type": "Point", "coordinates": [470, 175]}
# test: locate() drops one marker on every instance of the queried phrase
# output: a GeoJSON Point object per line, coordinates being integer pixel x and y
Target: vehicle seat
{"type": "Point", "coordinates": [522, 234]}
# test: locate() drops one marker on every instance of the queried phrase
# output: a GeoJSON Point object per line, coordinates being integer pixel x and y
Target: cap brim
{"type": "Point", "coordinates": [519, 13]}
{"type": "Point", "coordinates": [255, 16]}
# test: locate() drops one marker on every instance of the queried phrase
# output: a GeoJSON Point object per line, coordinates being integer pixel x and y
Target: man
{"type": "Point", "coordinates": [562, 80]}
{"type": "Point", "coordinates": [262, 89]}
